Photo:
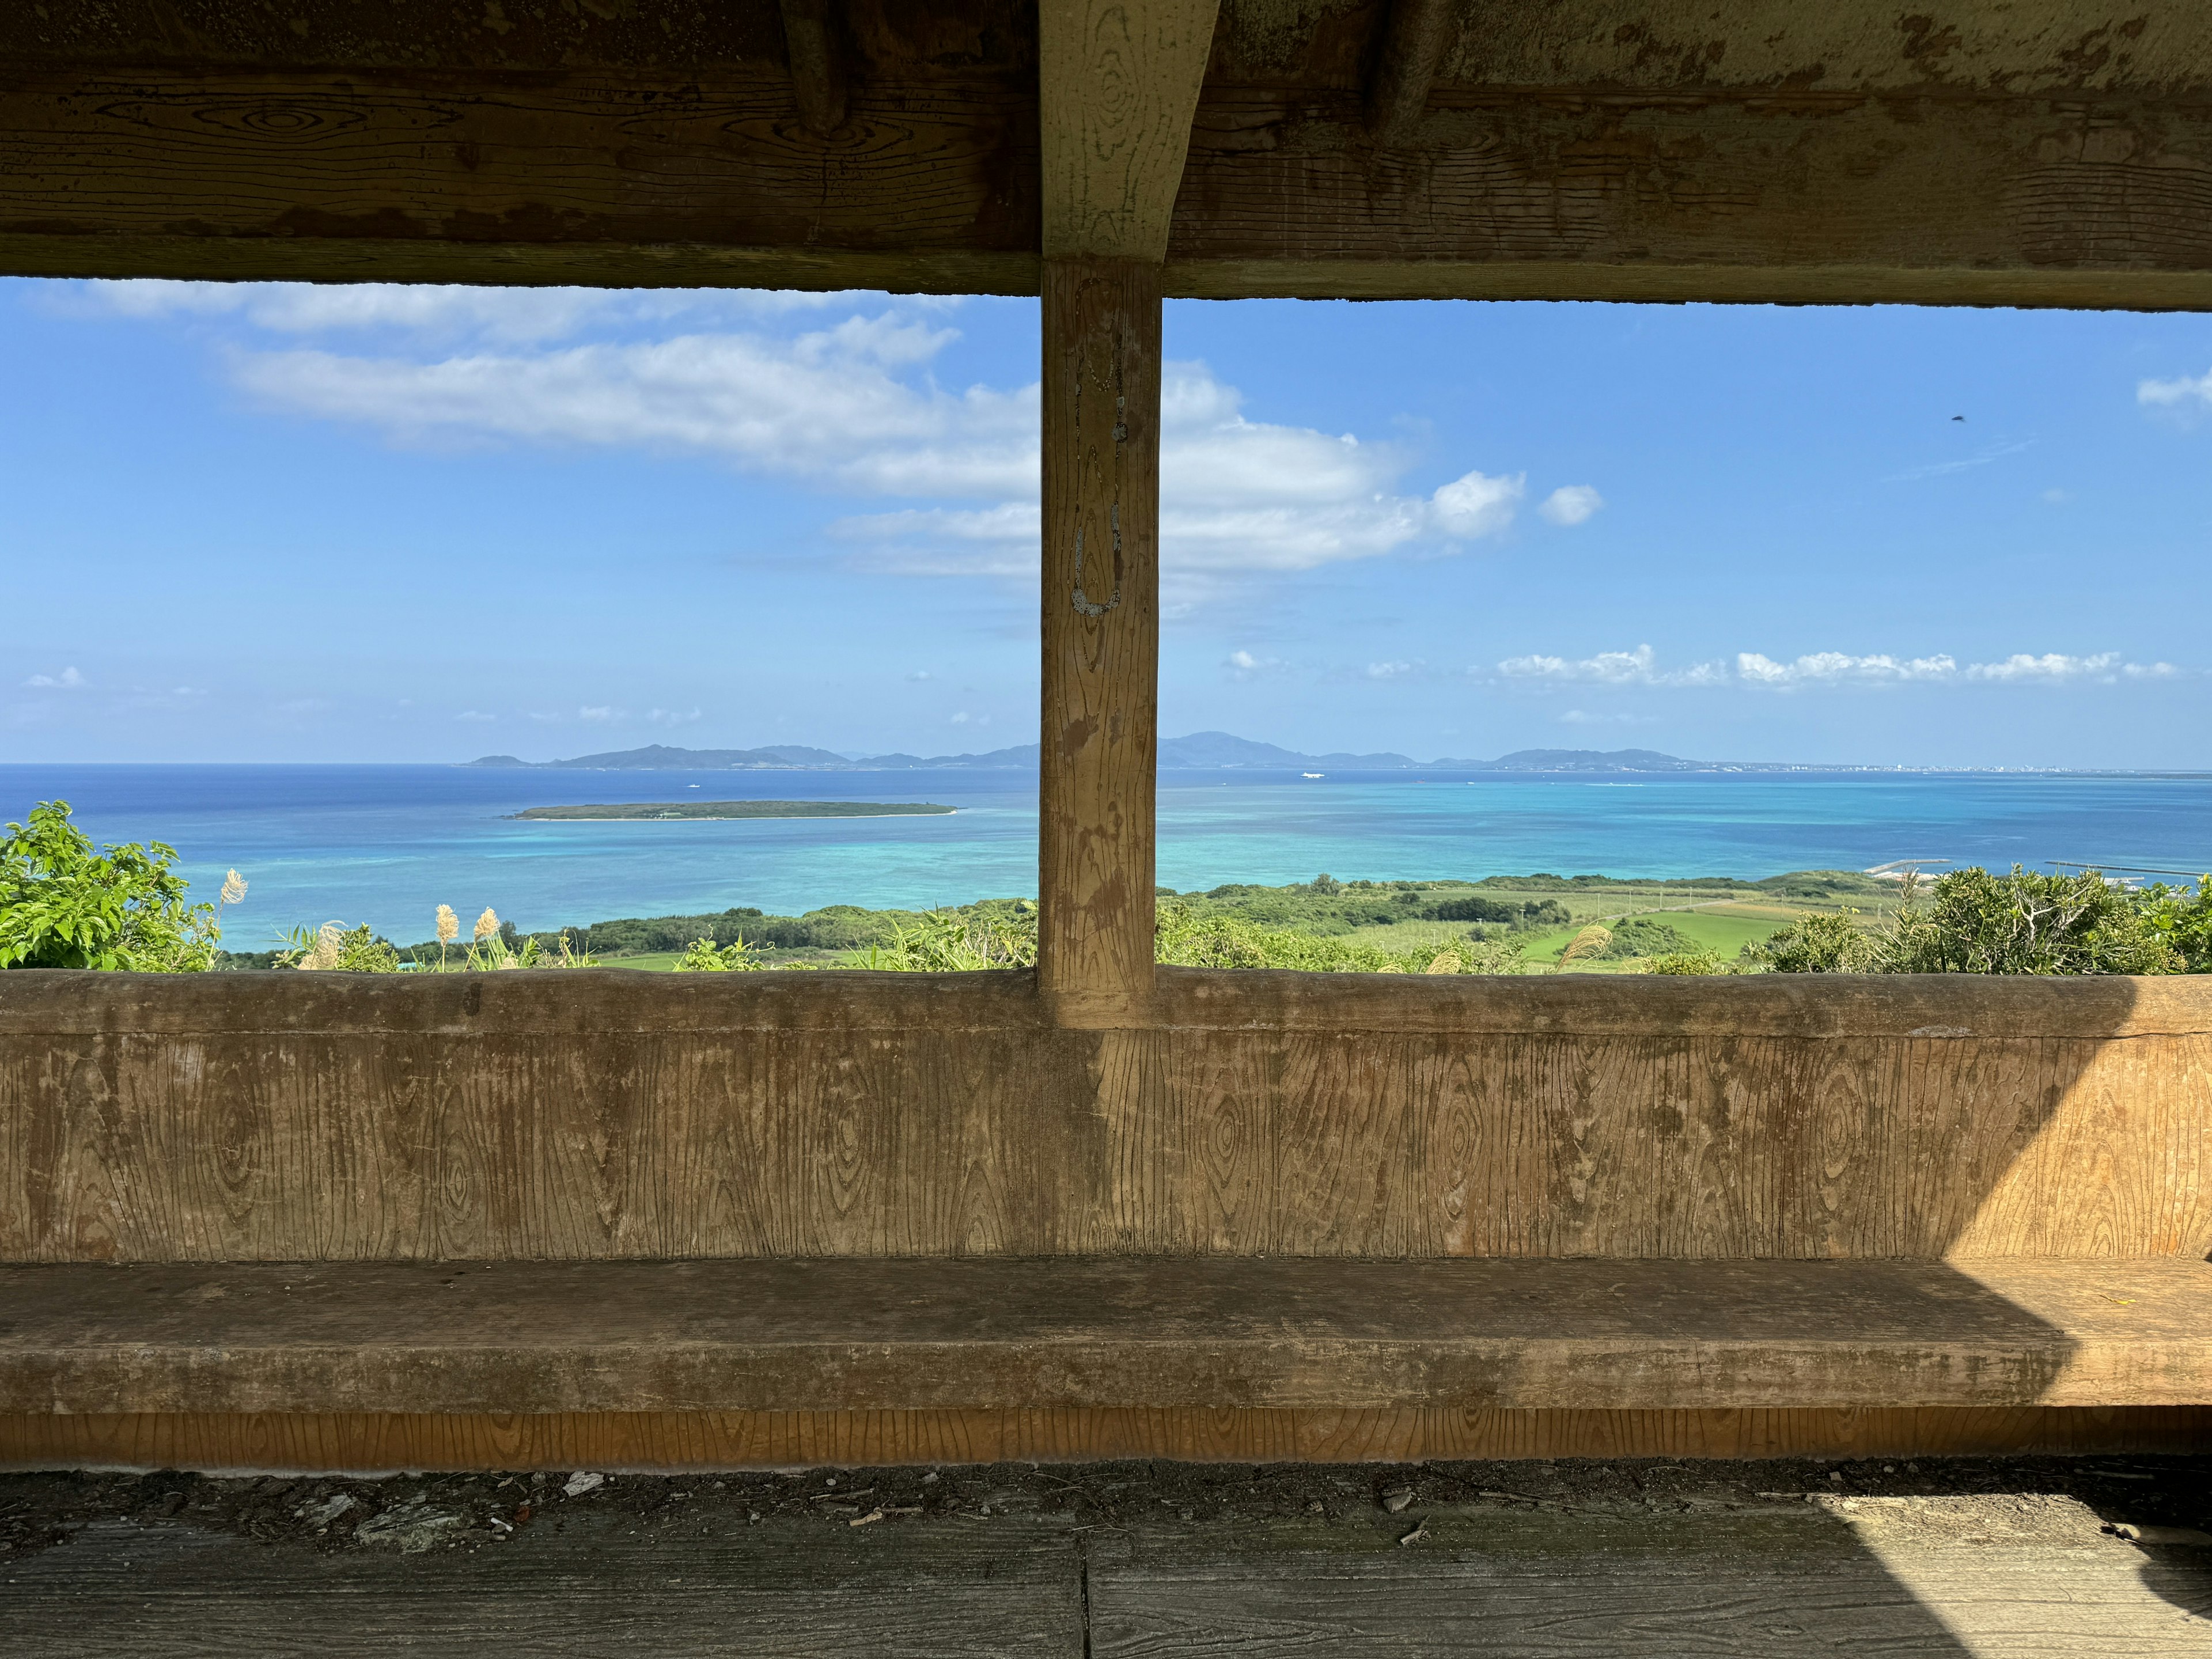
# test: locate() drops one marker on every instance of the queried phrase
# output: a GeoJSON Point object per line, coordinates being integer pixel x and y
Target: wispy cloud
{"type": "Point", "coordinates": [67, 680]}
{"type": "Point", "coordinates": [827, 408]}
{"type": "Point", "coordinates": [1943, 469]}
{"type": "Point", "coordinates": [438, 311]}
{"type": "Point", "coordinates": [1582, 717]}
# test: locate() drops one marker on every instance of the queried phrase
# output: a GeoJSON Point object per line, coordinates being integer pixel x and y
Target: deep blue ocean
{"type": "Point", "coordinates": [385, 845]}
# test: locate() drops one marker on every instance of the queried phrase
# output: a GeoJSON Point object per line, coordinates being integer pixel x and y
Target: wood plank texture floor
{"type": "Point", "coordinates": [2000, 1559]}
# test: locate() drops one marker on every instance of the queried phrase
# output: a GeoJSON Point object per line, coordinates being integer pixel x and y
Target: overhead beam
{"type": "Point", "coordinates": [1117, 83]}
{"type": "Point", "coordinates": [2096, 199]}
{"type": "Point", "coordinates": [817, 65]}
{"type": "Point", "coordinates": [1414, 33]}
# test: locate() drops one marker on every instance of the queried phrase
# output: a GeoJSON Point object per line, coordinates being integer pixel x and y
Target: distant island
{"type": "Point", "coordinates": [1201, 750]}
{"type": "Point", "coordinates": [653, 811]}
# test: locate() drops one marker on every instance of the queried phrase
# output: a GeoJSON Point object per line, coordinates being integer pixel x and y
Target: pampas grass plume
{"type": "Point", "coordinates": [449, 925]}
{"type": "Point", "coordinates": [487, 924]}
{"type": "Point", "coordinates": [234, 888]}
{"type": "Point", "coordinates": [1590, 942]}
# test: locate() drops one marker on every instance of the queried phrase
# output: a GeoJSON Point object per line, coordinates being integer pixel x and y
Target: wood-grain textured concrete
{"type": "Point", "coordinates": [1100, 633]}
{"type": "Point", "coordinates": [307, 1117]}
{"type": "Point", "coordinates": [1117, 1333]}
{"type": "Point", "coordinates": [2052, 153]}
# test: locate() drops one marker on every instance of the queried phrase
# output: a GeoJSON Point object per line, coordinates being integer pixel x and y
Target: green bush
{"type": "Point", "coordinates": [63, 904]}
{"type": "Point", "coordinates": [1646, 936]}
{"type": "Point", "coordinates": [1974, 922]}
{"type": "Point", "coordinates": [2024, 923]}
{"type": "Point", "coordinates": [1817, 944]}
{"type": "Point", "coordinates": [2182, 921]}
{"type": "Point", "coordinates": [1696, 961]}
{"type": "Point", "coordinates": [703, 956]}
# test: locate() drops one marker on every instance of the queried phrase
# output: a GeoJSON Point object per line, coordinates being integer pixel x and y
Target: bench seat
{"type": "Point", "coordinates": [992, 1332]}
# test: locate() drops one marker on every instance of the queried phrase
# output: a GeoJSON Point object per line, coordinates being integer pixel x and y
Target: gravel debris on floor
{"type": "Point", "coordinates": [2150, 1500]}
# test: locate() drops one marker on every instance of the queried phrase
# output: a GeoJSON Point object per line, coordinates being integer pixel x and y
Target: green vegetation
{"type": "Point", "coordinates": [653, 811]}
{"type": "Point", "coordinates": [1818, 944]}
{"type": "Point", "coordinates": [1974, 922]}
{"type": "Point", "coordinates": [2181, 917]}
{"type": "Point", "coordinates": [63, 904]}
{"type": "Point", "coordinates": [703, 956]}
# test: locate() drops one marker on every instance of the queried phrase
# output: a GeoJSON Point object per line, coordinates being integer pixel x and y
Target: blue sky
{"type": "Point", "coordinates": [390, 524]}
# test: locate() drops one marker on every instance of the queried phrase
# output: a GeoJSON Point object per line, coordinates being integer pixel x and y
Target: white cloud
{"type": "Point", "coordinates": [1391, 670]}
{"type": "Point", "coordinates": [1581, 717]}
{"type": "Point", "coordinates": [828, 407]}
{"type": "Point", "coordinates": [2168, 393]}
{"type": "Point", "coordinates": [601, 712]}
{"type": "Point", "coordinates": [1837, 668]}
{"type": "Point", "coordinates": [672, 716]}
{"type": "Point", "coordinates": [1244, 665]}
{"type": "Point", "coordinates": [475, 716]}
{"type": "Point", "coordinates": [848, 405]}
{"type": "Point", "coordinates": [67, 680]}
{"type": "Point", "coordinates": [1571, 504]}
{"type": "Point", "coordinates": [1753, 670]}
{"type": "Point", "coordinates": [1236, 495]}
{"type": "Point", "coordinates": [1637, 667]}
{"type": "Point", "coordinates": [1475, 505]}
{"type": "Point", "coordinates": [2050, 668]}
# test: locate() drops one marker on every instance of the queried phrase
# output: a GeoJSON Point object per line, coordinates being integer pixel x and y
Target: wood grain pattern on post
{"type": "Point", "coordinates": [1101, 637]}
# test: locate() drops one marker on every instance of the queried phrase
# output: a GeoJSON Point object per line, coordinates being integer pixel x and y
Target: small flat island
{"type": "Point", "coordinates": [658, 810]}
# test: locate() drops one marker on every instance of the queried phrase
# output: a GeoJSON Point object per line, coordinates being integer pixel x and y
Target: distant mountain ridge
{"type": "Point", "coordinates": [1200, 751]}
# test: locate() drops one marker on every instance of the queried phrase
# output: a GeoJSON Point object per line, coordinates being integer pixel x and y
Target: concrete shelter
{"type": "Point", "coordinates": [320, 1221]}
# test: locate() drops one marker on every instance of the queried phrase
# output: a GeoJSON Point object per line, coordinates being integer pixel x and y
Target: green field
{"type": "Point", "coordinates": [1720, 916]}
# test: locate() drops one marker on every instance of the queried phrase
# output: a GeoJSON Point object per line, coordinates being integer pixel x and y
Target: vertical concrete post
{"type": "Point", "coordinates": [1101, 637]}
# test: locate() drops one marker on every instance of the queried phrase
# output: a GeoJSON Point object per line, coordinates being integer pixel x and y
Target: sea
{"type": "Point", "coordinates": [386, 845]}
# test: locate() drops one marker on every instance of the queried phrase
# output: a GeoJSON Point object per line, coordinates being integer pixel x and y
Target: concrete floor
{"type": "Point", "coordinates": [1971, 1557]}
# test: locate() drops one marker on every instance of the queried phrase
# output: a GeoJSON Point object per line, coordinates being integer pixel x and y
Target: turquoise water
{"type": "Point", "coordinates": [385, 845]}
